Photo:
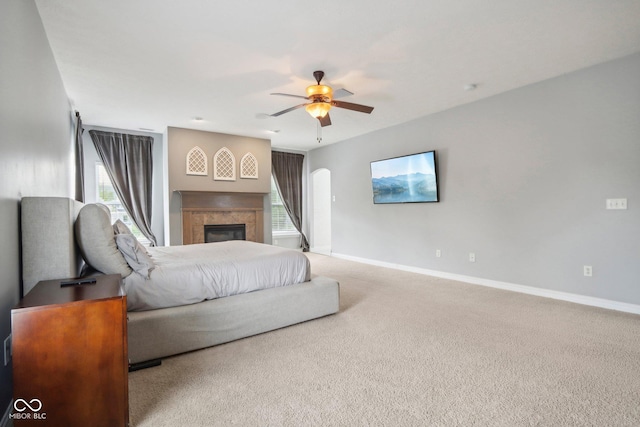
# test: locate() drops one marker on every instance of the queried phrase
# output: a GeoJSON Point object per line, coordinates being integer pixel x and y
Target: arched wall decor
{"type": "Point", "coordinates": [224, 165]}
{"type": "Point", "coordinates": [249, 166]}
{"type": "Point", "coordinates": [197, 163]}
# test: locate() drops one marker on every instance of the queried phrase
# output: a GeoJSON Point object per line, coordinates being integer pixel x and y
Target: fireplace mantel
{"type": "Point", "coordinates": [204, 207]}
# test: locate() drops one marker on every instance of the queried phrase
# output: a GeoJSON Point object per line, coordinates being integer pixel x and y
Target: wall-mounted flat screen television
{"type": "Point", "coordinates": [406, 179]}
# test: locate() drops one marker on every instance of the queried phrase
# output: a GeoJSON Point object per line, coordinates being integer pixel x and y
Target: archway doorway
{"type": "Point", "coordinates": [321, 226]}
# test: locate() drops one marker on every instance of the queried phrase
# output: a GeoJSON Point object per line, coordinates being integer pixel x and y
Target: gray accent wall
{"type": "Point", "coordinates": [35, 144]}
{"type": "Point", "coordinates": [523, 178]}
{"type": "Point", "coordinates": [180, 141]}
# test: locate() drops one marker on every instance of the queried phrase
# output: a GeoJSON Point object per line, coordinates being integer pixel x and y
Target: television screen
{"type": "Point", "coordinates": [406, 179]}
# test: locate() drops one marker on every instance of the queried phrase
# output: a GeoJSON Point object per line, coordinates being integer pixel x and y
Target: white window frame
{"type": "Point", "coordinates": [280, 233]}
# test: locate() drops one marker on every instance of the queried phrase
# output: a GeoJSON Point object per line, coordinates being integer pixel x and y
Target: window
{"type": "Point", "coordinates": [106, 194]}
{"type": "Point", "coordinates": [280, 221]}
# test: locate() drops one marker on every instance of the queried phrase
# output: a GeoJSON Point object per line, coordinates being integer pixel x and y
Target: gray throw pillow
{"type": "Point", "coordinates": [94, 235]}
{"type": "Point", "coordinates": [137, 259]}
{"type": "Point", "coordinates": [120, 227]}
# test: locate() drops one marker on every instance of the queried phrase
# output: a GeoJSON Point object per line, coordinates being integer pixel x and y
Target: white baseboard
{"type": "Point", "coordinates": [322, 250]}
{"type": "Point", "coordinates": [547, 293]}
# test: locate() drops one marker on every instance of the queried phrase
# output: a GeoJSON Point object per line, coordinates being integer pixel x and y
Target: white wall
{"type": "Point", "coordinates": [320, 212]}
{"type": "Point", "coordinates": [523, 181]}
{"type": "Point", "coordinates": [35, 144]}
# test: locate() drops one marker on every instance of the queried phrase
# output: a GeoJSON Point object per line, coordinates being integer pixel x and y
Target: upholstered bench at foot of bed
{"type": "Point", "coordinates": [165, 332]}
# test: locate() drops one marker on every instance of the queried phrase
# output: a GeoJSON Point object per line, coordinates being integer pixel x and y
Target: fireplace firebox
{"type": "Point", "coordinates": [224, 232]}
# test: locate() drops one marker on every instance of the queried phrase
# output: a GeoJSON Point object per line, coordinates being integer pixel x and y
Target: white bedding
{"type": "Point", "coordinates": [193, 273]}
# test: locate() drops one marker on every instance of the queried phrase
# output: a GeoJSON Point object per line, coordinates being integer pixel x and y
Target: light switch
{"type": "Point", "coordinates": [616, 203]}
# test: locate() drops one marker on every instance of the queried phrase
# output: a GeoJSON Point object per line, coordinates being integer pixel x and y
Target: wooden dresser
{"type": "Point", "coordinates": [70, 363]}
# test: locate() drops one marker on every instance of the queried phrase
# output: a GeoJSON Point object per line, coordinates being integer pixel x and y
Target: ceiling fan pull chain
{"type": "Point", "coordinates": [319, 137]}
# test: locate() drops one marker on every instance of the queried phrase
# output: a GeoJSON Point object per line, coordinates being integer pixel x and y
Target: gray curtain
{"type": "Point", "coordinates": [128, 161]}
{"type": "Point", "coordinates": [79, 153]}
{"type": "Point", "coordinates": [287, 173]}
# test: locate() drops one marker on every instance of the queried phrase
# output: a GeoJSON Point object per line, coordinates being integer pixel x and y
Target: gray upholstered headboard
{"type": "Point", "coordinates": [49, 249]}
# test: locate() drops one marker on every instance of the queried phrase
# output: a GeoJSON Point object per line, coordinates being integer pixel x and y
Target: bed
{"type": "Point", "coordinates": [177, 314]}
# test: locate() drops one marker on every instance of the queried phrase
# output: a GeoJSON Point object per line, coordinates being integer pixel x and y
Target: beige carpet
{"type": "Point", "coordinates": [409, 350]}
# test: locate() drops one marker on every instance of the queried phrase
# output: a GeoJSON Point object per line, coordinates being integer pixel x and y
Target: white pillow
{"type": "Point", "coordinates": [137, 259]}
{"type": "Point", "coordinates": [94, 235]}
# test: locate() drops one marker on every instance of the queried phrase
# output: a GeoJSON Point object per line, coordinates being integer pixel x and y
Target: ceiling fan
{"type": "Point", "coordinates": [321, 98]}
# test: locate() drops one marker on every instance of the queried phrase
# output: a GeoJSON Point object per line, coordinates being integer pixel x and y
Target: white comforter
{"type": "Point", "coordinates": [193, 273]}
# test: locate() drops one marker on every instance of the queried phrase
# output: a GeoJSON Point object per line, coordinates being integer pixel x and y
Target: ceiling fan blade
{"type": "Point", "coordinates": [325, 121]}
{"type": "Point", "coordinates": [341, 93]}
{"type": "Point", "coordinates": [279, 113]}
{"type": "Point", "coordinates": [288, 94]}
{"type": "Point", "coordinates": [351, 106]}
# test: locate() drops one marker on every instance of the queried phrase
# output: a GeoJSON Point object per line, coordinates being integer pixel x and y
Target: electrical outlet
{"type": "Point", "coordinates": [472, 257]}
{"type": "Point", "coordinates": [7, 350]}
{"type": "Point", "coordinates": [588, 270]}
{"type": "Point", "coordinates": [438, 253]}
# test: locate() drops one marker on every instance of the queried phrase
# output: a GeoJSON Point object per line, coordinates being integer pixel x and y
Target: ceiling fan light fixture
{"type": "Point", "coordinates": [320, 91]}
{"type": "Point", "coordinates": [320, 99]}
{"type": "Point", "coordinates": [318, 109]}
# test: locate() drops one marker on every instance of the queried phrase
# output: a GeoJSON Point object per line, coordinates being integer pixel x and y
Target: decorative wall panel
{"type": "Point", "coordinates": [197, 162]}
{"type": "Point", "coordinates": [249, 166]}
{"type": "Point", "coordinates": [224, 165]}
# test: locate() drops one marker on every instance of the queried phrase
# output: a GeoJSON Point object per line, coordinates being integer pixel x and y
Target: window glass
{"type": "Point", "coordinates": [106, 194]}
{"type": "Point", "coordinates": [280, 220]}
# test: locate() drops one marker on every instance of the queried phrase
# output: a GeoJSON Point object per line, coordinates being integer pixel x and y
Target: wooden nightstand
{"type": "Point", "coordinates": [70, 363]}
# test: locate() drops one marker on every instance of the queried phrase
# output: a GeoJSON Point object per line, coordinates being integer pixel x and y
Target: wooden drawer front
{"type": "Point", "coordinates": [72, 358]}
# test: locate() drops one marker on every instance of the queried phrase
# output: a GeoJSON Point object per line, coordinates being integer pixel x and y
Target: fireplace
{"type": "Point", "coordinates": [224, 232]}
{"type": "Point", "coordinates": [200, 208]}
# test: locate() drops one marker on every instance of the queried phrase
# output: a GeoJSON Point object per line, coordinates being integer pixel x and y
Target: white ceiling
{"type": "Point", "coordinates": [149, 64]}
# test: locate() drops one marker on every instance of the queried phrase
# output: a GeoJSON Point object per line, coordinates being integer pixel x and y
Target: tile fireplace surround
{"type": "Point", "coordinates": [200, 208]}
